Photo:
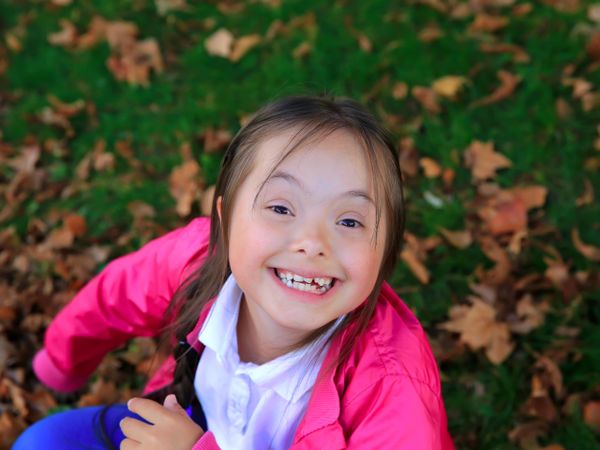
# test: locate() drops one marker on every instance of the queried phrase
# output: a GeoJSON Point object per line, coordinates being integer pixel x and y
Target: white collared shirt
{"type": "Point", "coordinates": [249, 406]}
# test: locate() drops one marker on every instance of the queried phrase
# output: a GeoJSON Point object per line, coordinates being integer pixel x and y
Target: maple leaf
{"type": "Point", "coordinates": [479, 329]}
{"type": "Point", "coordinates": [483, 160]}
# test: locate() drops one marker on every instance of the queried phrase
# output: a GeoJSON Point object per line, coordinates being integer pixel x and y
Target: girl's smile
{"type": "Point", "coordinates": [302, 242]}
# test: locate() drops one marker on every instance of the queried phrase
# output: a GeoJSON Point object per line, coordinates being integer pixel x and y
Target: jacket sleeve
{"type": "Point", "coordinates": [127, 299]}
{"type": "Point", "coordinates": [206, 442]}
{"type": "Point", "coordinates": [396, 413]}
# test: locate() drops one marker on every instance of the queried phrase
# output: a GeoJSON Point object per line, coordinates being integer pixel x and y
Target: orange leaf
{"type": "Point", "coordinates": [431, 168]}
{"type": "Point", "coordinates": [459, 239]}
{"type": "Point", "coordinates": [243, 45]}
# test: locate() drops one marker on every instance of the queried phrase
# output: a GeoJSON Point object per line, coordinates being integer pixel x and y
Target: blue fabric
{"type": "Point", "coordinates": [75, 429]}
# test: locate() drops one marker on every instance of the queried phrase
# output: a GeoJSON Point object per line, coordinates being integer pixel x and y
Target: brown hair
{"type": "Point", "coordinates": [313, 118]}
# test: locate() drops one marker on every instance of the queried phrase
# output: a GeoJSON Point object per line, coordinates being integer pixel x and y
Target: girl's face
{"type": "Point", "coordinates": [315, 219]}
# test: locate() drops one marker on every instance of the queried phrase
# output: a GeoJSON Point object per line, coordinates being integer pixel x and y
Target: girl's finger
{"type": "Point", "coordinates": [134, 429]}
{"type": "Point", "coordinates": [129, 444]}
{"type": "Point", "coordinates": [148, 409]}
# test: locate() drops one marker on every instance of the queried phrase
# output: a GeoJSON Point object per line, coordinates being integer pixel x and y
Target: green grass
{"type": "Point", "coordinates": [198, 91]}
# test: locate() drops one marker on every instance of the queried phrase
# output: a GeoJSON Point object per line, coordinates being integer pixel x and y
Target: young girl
{"type": "Point", "coordinates": [289, 337]}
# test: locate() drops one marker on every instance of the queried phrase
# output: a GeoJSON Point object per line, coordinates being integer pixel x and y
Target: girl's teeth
{"type": "Point", "coordinates": [305, 284]}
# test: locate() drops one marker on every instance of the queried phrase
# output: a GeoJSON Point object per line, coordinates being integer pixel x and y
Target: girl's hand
{"type": "Point", "coordinates": [172, 428]}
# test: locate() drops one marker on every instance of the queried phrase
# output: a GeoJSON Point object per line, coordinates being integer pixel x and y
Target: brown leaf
{"type": "Point", "coordinates": [519, 54]}
{"type": "Point", "coordinates": [500, 272]}
{"type": "Point", "coordinates": [568, 6]}
{"type": "Point", "coordinates": [415, 266]}
{"type": "Point", "coordinates": [206, 200]}
{"type": "Point", "coordinates": [449, 86]}
{"type": "Point", "coordinates": [488, 23]}
{"type": "Point", "coordinates": [184, 182]}
{"type": "Point", "coordinates": [430, 167]}
{"type": "Point", "coordinates": [59, 238]}
{"type": "Point", "coordinates": [215, 140]}
{"type": "Point", "coordinates": [76, 224]}
{"type": "Point", "coordinates": [166, 6]}
{"type": "Point", "coordinates": [399, 90]}
{"type": "Point", "coordinates": [479, 329]}
{"type": "Point", "coordinates": [508, 83]}
{"type": "Point", "coordinates": [483, 160]}
{"type": "Point", "coordinates": [591, 415]}
{"type": "Point", "coordinates": [459, 239]}
{"type": "Point", "coordinates": [243, 45]}
{"type": "Point", "coordinates": [220, 43]}
{"type": "Point", "coordinates": [530, 315]}
{"type": "Point", "coordinates": [134, 62]}
{"type": "Point", "coordinates": [430, 33]}
{"type": "Point", "coordinates": [302, 50]}
{"type": "Point", "coordinates": [587, 198]}
{"type": "Point", "coordinates": [66, 37]}
{"type": "Point", "coordinates": [427, 98]}
{"type": "Point", "coordinates": [409, 157]}
{"type": "Point", "coordinates": [505, 217]}
{"type": "Point", "coordinates": [589, 251]}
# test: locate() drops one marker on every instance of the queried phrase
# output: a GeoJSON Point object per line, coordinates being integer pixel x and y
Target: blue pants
{"type": "Point", "coordinates": [80, 429]}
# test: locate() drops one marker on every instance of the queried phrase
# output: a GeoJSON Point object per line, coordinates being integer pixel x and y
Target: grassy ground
{"type": "Point", "coordinates": [197, 91]}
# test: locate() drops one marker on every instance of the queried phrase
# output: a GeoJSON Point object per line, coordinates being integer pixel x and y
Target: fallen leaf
{"type": "Point", "coordinates": [449, 86]}
{"type": "Point", "coordinates": [508, 83]}
{"type": "Point", "coordinates": [483, 160]}
{"type": "Point", "coordinates": [519, 54]}
{"type": "Point", "coordinates": [76, 224]}
{"type": "Point", "coordinates": [501, 271]}
{"type": "Point", "coordinates": [589, 251]}
{"type": "Point", "coordinates": [458, 239]}
{"type": "Point", "coordinates": [504, 217]}
{"type": "Point", "coordinates": [302, 50]}
{"type": "Point", "coordinates": [184, 183]}
{"type": "Point", "coordinates": [163, 7]}
{"type": "Point", "coordinates": [430, 167]}
{"type": "Point", "coordinates": [66, 37]}
{"type": "Point", "coordinates": [591, 415]}
{"type": "Point", "coordinates": [215, 140]}
{"type": "Point", "coordinates": [529, 315]}
{"type": "Point", "coordinates": [399, 90]}
{"type": "Point", "coordinates": [587, 198]}
{"type": "Point", "coordinates": [479, 328]}
{"type": "Point", "coordinates": [427, 98]}
{"type": "Point", "coordinates": [430, 33]}
{"type": "Point", "coordinates": [206, 200]}
{"type": "Point", "coordinates": [243, 45]}
{"type": "Point", "coordinates": [488, 23]}
{"type": "Point", "coordinates": [220, 43]}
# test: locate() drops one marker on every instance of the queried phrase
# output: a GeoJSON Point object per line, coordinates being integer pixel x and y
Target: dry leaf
{"type": "Point", "coordinates": [184, 185]}
{"type": "Point", "coordinates": [591, 415]}
{"type": "Point", "coordinates": [76, 224]}
{"type": "Point", "coordinates": [504, 217]}
{"type": "Point", "coordinates": [488, 23]}
{"type": "Point", "coordinates": [587, 198]}
{"type": "Point", "coordinates": [427, 98]}
{"type": "Point", "coordinates": [458, 239]}
{"type": "Point", "coordinates": [479, 328]}
{"type": "Point", "coordinates": [415, 266]}
{"type": "Point", "coordinates": [242, 45]}
{"type": "Point", "coordinates": [166, 6]}
{"type": "Point", "coordinates": [483, 160]}
{"type": "Point", "coordinates": [215, 140]}
{"type": "Point", "coordinates": [430, 33]}
{"type": "Point", "coordinates": [589, 251]}
{"type": "Point", "coordinates": [508, 83]}
{"type": "Point", "coordinates": [519, 54]}
{"type": "Point", "coordinates": [66, 37]}
{"type": "Point", "coordinates": [529, 315]}
{"type": "Point", "coordinates": [207, 200]}
{"type": "Point", "coordinates": [302, 50]}
{"type": "Point", "coordinates": [501, 271]}
{"type": "Point", "coordinates": [399, 90]}
{"type": "Point", "coordinates": [449, 86]}
{"type": "Point", "coordinates": [220, 43]}
{"type": "Point", "coordinates": [430, 167]}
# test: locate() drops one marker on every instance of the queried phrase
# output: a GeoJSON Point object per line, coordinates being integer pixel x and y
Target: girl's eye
{"type": "Point", "coordinates": [350, 223]}
{"type": "Point", "coordinates": [278, 209]}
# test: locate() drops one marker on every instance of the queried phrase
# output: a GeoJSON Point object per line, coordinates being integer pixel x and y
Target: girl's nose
{"type": "Point", "coordinates": [311, 241]}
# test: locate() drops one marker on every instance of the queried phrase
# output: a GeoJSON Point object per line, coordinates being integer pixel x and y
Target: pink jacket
{"type": "Point", "coordinates": [386, 396]}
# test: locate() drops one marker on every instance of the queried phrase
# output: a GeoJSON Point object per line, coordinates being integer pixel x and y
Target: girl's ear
{"type": "Point", "coordinates": [219, 204]}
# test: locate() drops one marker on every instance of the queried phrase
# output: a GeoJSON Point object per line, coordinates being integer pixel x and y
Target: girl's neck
{"type": "Point", "coordinates": [259, 343]}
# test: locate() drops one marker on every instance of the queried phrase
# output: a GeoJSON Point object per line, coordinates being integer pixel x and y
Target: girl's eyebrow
{"type": "Point", "coordinates": [280, 174]}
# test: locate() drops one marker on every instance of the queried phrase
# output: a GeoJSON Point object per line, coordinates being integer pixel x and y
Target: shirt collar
{"type": "Point", "coordinates": [290, 375]}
